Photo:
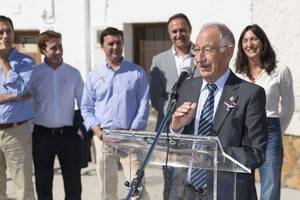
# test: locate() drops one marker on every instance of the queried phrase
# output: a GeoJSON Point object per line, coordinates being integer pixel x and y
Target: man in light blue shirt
{"type": "Point", "coordinates": [15, 111]}
{"type": "Point", "coordinates": [115, 96]}
{"type": "Point", "coordinates": [55, 87]}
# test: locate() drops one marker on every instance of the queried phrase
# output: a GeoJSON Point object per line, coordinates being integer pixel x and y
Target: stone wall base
{"type": "Point", "coordinates": [290, 176]}
{"type": "Point", "coordinates": [291, 162]}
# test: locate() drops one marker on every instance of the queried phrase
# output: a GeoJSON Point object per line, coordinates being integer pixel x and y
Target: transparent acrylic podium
{"type": "Point", "coordinates": [129, 148]}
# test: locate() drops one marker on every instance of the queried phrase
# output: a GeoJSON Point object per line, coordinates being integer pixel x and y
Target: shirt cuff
{"type": "Point", "coordinates": [11, 77]}
{"type": "Point", "coordinates": [176, 132]}
{"type": "Point", "coordinates": [139, 125]}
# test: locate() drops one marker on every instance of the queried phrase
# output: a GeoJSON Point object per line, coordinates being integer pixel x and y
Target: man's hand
{"type": "Point", "coordinates": [5, 98]}
{"type": "Point", "coordinates": [4, 49]}
{"type": "Point", "coordinates": [98, 132]}
{"type": "Point", "coordinates": [26, 96]}
{"type": "Point", "coordinates": [183, 115]}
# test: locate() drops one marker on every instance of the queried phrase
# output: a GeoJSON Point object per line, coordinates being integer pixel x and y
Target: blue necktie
{"type": "Point", "coordinates": [198, 176]}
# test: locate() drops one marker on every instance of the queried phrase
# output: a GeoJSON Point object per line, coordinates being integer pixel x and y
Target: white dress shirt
{"type": "Point", "coordinates": [204, 94]}
{"type": "Point", "coordinates": [182, 61]}
{"type": "Point", "coordinates": [280, 100]}
{"type": "Point", "coordinates": [54, 94]}
{"type": "Point", "coordinates": [202, 98]}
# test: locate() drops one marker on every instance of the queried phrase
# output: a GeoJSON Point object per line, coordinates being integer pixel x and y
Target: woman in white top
{"type": "Point", "coordinates": [256, 62]}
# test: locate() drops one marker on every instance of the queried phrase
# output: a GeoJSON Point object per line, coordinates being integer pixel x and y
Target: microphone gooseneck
{"type": "Point", "coordinates": [185, 73]}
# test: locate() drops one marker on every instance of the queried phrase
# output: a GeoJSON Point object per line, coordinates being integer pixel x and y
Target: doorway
{"type": "Point", "coordinates": [149, 40]}
{"type": "Point", "coordinates": [26, 42]}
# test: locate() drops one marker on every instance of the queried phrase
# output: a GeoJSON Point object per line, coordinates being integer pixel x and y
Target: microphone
{"type": "Point", "coordinates": [185, 73]}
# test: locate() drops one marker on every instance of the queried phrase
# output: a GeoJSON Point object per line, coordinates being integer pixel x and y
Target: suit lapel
{"type": "Point", "coordinates": [171, 64]}
{"type": "Point", "coordinates": [192, 94]}
{"type": "Point", "coordinates": [229, 94]}
{"type": "Point", "coordinates": [196, 88]}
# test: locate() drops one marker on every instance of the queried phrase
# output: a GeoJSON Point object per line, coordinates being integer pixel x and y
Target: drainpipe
{"type": "Point", "coordinates": [49, 19]}
{"type": "Point", "coordinates": [87, 20]}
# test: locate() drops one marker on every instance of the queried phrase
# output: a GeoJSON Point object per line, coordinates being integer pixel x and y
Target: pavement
{"type": "Point", "coordinates": [91, 191]}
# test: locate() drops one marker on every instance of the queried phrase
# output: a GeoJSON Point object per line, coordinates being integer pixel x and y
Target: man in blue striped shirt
{"type": "Point", "coordinates": [15, 111]}
{"type": "Point", "coordinates": [115, 96]}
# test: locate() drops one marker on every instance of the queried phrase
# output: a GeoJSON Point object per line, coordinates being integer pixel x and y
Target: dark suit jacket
{"type": "Point", "coordinates": [85, 143]}
{"type": "Point", "coordinates": [242, 130]}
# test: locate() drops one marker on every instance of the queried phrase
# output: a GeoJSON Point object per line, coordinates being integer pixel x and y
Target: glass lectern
{"type": "Point", "coordinates": [175, 150]}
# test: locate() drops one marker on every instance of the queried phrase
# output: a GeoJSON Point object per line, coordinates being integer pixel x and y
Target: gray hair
{"type": "Point", "coordinates": [227, 38]}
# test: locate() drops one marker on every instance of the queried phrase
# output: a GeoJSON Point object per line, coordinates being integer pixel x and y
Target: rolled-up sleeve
{"type": "Point", "coordinates": [17, 80]}
{"type": "Point", "coordinates": [287, 102]}
{"type": "Point", "coordinates": [140, 121]}
{"type": "Point", "coordinates": [88, 105]}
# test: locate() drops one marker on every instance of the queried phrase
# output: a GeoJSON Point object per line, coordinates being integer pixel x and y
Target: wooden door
{"type": "Point", "coordinates": [149, 40]}
{"type": "Point", "coordinates": [26, 42]}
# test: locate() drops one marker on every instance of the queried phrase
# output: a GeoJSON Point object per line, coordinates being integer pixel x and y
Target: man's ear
{"type": "Point", "coordinates": [229, 53]}
{"type": "Point", "coordinates": [43, 51]}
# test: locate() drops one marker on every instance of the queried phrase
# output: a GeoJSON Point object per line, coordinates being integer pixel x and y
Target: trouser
{"type": "Point", "coordinates": [270, 171]}
{"type": "Point", "coordinates": [168, 175]}
{"type": "Point", "coordinates": [107, 168]}
{"type": "Point", "coordinates": [65, 143]}
{"type": "Point", "coordinates": [16, 155]}
{"type": "Point", "coordinates": [190, 193]}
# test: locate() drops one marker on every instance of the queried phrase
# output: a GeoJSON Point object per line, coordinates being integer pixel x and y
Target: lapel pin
{"type": "Point", "coordinates": [231, 103]}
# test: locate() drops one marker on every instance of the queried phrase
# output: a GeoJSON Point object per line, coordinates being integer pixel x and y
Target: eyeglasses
{"type": "Point", "coordinates": [208, 49]}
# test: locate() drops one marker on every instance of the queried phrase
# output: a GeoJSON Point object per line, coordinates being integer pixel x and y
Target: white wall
{"type": "Point", "coordinates": [235, 13]}
{"type": "Point", "coordinates": [279, 18]}
{"type": "Point", "coordinates": [68, 20]}
{"type": "Point", "coordinates": [71, 20]}
{"type": "Point", "coordinates": [281, 21]}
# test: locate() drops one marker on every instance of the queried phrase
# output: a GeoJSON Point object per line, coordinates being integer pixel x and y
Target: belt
{"type": "Point", "coordinates": [10, 125]}
{"type": "Point", "coordinates": [54, 131]}
{"type": "Point", "coordinates": [201, 191]}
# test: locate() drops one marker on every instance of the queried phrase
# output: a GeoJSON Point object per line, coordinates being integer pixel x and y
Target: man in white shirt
{"type": "Point", "coordinates": [55, 86]}
{"type": "Point", "coordinates": [165, 70]}
{"type": "Point", "coordinates": [166, 66]}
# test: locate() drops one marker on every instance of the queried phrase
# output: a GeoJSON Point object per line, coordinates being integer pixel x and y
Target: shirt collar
{"type": "Point", "coordinates": [11, 53]}
{"type": "Point", "coordinates": [108, 66]}
{"type": "Point", "coordinates": [220, 82]}
{"type": "Point", "coordinates": [52, 67]}
{"type": "Point", "coordinates": [191, 51]}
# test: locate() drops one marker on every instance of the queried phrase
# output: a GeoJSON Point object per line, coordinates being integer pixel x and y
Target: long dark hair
{"type": "Point", "coordinates": [267, 57]}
